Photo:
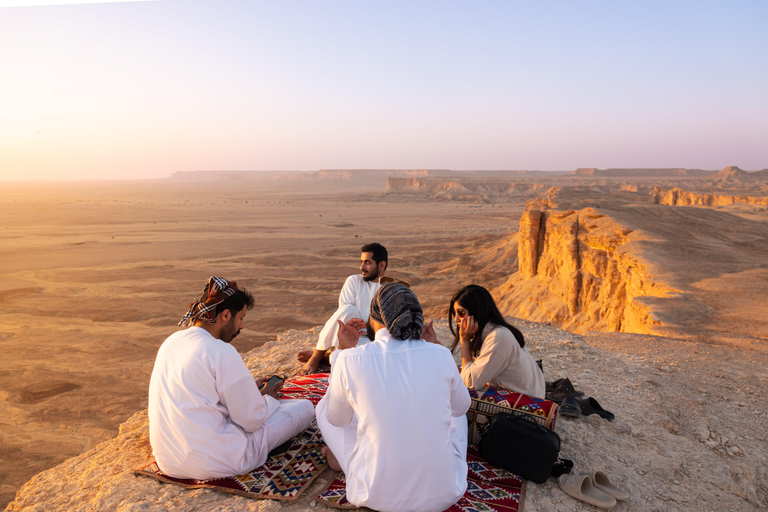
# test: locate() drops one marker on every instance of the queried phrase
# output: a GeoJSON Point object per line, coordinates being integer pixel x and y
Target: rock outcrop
{"type": "Point", "coordinates": [576, 270]}
{"type": "Point", "coordinates": [679, 197]}
{"type": "Point", "coordinates": [465, 189]}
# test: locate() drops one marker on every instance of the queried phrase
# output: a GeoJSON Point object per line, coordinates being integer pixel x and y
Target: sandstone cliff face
{"type": "Point", "coordinates": [577, 271]}
{"type": "Point", "coordinates": [678, 197]}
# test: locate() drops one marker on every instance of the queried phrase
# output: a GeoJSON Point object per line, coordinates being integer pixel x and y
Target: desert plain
{"type": "Point", "coordinates": [646, 287]}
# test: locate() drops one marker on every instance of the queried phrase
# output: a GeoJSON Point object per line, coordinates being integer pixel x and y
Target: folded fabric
{"type": "Point", "coordinates": [601, 481]}
{"type": "Point", "coordinates": [581, 488]}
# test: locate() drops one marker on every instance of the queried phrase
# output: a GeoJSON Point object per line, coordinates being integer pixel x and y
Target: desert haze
{"type": "Point", "coordinates": [657, 277]}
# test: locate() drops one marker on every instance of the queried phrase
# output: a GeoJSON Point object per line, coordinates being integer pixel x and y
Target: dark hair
{"type": "Point", "coordinates": [234, 303]}
{"type": "Point", "coordinates": [480, 304]}
{"type": "Point", "coordinates": [379, 252]}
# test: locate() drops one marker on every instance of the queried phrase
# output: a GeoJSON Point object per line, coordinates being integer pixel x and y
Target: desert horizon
{"type": "Point", "coordinates": [96, 275]}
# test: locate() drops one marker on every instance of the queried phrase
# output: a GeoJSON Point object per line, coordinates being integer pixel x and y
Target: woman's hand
{"type": "Point", "coordinates": [467, 329]}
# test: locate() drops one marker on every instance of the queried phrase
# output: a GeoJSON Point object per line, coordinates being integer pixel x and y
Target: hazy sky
{"type": "Point", "coordinates": [144, 89]}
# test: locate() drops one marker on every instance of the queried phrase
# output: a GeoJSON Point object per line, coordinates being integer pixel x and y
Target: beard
{"type": "Point", "coordinates": [371, 276]}
{"type": "Point", "coordinates": [228, 332]}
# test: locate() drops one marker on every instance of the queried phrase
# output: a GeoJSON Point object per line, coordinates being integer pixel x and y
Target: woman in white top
{"type": "Point", "coordinates": [492, 350]}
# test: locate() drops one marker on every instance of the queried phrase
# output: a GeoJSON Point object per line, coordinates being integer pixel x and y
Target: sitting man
{"type": "Point", "coordinates": [394, 414]}
{"type": "Point", "coordinates": [354, 302]}
{"type": "Point", "coordinates": [207, 417]}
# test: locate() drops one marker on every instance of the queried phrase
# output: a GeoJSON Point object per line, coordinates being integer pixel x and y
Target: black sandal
{"type": "Point", "coordinates": [590, 406]}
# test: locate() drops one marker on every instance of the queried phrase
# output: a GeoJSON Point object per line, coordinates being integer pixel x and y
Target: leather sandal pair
{"type": "Point", "coordinates": [560, 389]}
{"type": "Point", "coordinates": [594, 488]}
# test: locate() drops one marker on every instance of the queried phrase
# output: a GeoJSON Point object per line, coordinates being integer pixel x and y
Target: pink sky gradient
{"type": "Point", "coordinates": [145, 89]}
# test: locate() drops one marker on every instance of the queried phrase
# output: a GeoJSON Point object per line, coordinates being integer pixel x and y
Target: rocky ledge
{"type": "Point", "coordinates": [689, 432]}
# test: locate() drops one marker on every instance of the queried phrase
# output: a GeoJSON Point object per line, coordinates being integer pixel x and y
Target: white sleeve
{"type": "Point", "coordinates": [238, 392]}
{"type": "Point", "coordinates": [338, 410]}
{"type": "Point", "coordinates": [460, 399]}
{"type": "Point", "coordinates": [495, 355]}
{"type": "Point", "coordinates": [348, 295]}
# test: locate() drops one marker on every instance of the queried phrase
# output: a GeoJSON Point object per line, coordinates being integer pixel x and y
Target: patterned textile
{"type": "Point", "coordinates": [283, 476]}
{"type": "Point", "coordinates": [489, 489]}
{"type": "Point", "coordinates": [483, 471]}
{"type": "Point", "coordinates": [308, 387]}
{"type": "Point", "coordinates": [216, 292]}
{"type": "Point", "coordinates": [485, 405]}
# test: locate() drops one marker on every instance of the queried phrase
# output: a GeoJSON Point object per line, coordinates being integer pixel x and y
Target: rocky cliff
{"type": "Point", "coordinates": [679, 197]}
{"type": "Point", "coordinates": [577, 270]}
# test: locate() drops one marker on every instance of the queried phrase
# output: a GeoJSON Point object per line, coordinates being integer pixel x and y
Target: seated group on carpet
{"type": "Point", "coordinates": [393, 418]}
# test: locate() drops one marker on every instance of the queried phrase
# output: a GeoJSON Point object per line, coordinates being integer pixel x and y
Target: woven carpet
{"type": "Point", "coordinates": [489, 489]}
{"type": "Point", "coordinates": [284, 476]}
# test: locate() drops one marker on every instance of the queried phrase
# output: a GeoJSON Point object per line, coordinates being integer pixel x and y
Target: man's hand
{"type": "Point", "coordinates": [429, 333]}
{"type": "Point", "coordinates": [350, 332]}
{"type": "Point", "coordinates": [273, 391]}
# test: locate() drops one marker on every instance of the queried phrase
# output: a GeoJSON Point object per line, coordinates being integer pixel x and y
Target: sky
{"type": "Point", "coordinates": [143, 89]}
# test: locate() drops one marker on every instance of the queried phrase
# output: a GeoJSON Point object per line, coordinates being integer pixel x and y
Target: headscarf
{"type": "Point", "coordinates": [216, 291]}
{"type": "Point", "coordinates": [396, 307]}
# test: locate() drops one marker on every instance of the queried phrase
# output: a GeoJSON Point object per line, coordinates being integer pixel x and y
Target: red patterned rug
{"type": "Point", "coordinates": [283, 476]}
{"type": "Point", "coordinates": [489, 489]}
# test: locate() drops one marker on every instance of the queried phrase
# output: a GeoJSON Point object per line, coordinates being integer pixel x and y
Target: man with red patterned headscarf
{"type": "Point", "coordinates": [207, 417]}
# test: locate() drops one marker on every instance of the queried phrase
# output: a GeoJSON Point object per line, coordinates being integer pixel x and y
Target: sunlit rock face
{"type": "Point", "coordinates": [679, 197]}
{"type": "Point", "coordinates": [577, 272]}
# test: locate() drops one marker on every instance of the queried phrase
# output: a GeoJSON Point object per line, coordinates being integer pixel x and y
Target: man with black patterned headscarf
{"type": "Point", "coordinates": [207, 417]}
{"type": "Point", "coordinates": [394, 417]}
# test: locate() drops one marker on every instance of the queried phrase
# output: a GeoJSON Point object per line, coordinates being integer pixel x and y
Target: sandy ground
{"type": "Point", "coordinates": [95, 276]}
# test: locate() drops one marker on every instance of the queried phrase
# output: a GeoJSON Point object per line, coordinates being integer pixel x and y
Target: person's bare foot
{"type": "Point", "coordinates": [311, 365]}
{"type": "Point", "coordinates": [333, 462]}
{"type": "Point", "coordinates": [304, 355]}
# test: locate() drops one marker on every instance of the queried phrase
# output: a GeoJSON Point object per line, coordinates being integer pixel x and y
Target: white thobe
{"type": "Point", "coordinates": [207, 418]}
{"type": "Point", "coordinates": [354, 302]}
{"type": "Point", "coordinates": [394, 417]}
{"type": "Point", "coordinates": [502, 363]}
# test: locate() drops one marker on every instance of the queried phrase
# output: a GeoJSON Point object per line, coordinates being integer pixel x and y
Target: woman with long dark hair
{"type": "Point", "coordinates": [492, 350]}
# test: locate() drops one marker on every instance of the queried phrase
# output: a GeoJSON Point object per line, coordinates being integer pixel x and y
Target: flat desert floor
{"type": "Point", "coordinates": [95, 276]}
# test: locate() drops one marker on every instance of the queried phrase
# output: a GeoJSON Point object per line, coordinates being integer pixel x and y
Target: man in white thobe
{"type": "Point", "coordinates": [394, 417]}
{"type": "Point", "coordinates": [354, 302]}
{"type": "Point", "coordinates": [207, 416]}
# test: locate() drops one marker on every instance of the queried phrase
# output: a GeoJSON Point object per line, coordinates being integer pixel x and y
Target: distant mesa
{"type": "Point", "coordinates": [370, 176]}
{"type": "Point", "coordinates": [665, 172]}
